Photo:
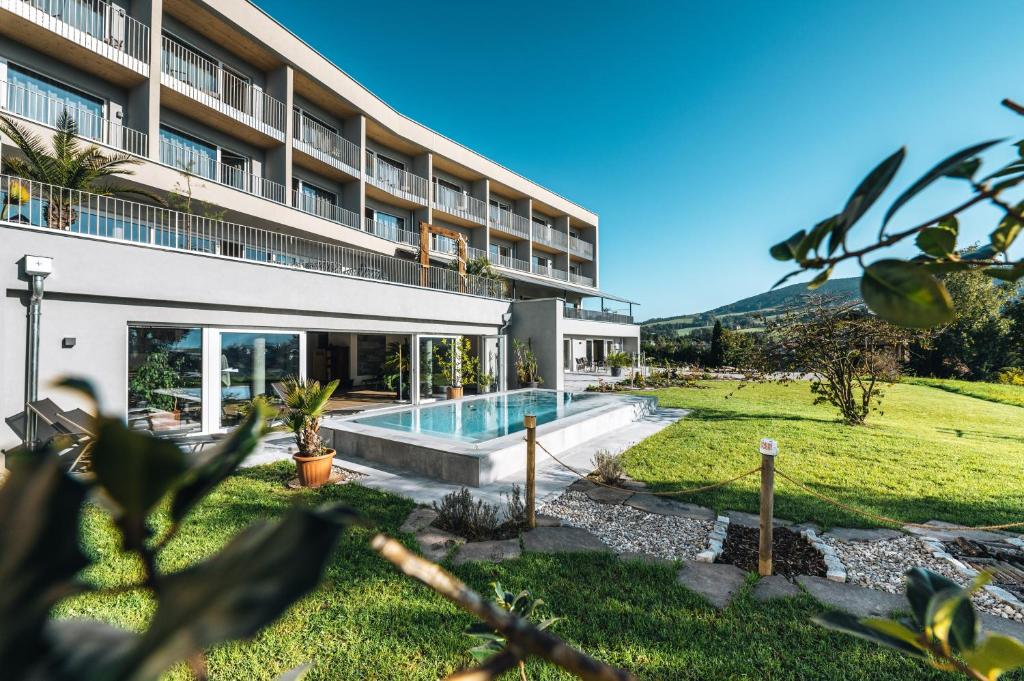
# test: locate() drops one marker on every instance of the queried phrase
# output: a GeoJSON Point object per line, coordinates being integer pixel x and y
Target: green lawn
{"type": "Point", "coordinates": [368, 622]}
{"type": "Point", "coordinates": [993, 392]}
{"type": "Point", "coordinates": [930, 454]}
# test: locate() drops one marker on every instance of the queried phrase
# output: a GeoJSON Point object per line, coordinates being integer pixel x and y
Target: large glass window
{"type": "Point", "coordinates": [385, 225]}
{"type": "Point", "coordinates": [188, 153]}
{"type": "Point", "coordinates": [434, 351]}
{"type": "Point", "coordinates": [251, 363]}
{"type": "Point", "coordinates": [42, 99]}
{"type": "Point", "coordinates": [189, 65]}
{"type": "Point", "coordinates": [165, 379]}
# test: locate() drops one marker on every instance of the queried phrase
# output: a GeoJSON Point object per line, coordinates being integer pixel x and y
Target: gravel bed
{"type": "Point", "coordinates": [882, 564]}
{"type": "Point", "coordinates": [626, 529]}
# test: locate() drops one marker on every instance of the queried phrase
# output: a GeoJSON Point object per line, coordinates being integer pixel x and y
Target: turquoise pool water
{"type": "Point", "coordinates": [485, 418]}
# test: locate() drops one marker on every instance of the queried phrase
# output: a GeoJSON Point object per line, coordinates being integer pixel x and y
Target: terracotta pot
{"type": "Point", "coordinates": [454, 392]}
{"type": "Point", "coordinates": [314, 470]}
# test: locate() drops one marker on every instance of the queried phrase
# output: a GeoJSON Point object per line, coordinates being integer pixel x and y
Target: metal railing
{"type": "Point", "coordinates": [510, 222]}
{"type": "Point", "coordinates": [549, 236]}
{"type": "Point", "coordinates": [24, 203]}
{"type": "Point", "coordinates": [580, 247]}
{"type": "Point", "coordinates": [41, 108]}
{"type": "Point", "coordinates": [394, 180]}
{"type": "Point", "coordinates": [192, 162]}
{"type": "Point", "coordinates": [109, 24]}
{"type": "Point", "coordinates": [323, 143]}
{"type": "Point", "coordinates": [391, 232]}
{"type": "Point", "coordinates": [443, 244]}
{"type": "Point", "coordinates": [581, 279]}
{"type": "Point", "coordinates": [251, 104]}
{"type": "Point", "coordinates": [323, 208]}
{"type": "Point", "coordinates": [460, 204]}
{"type": "Point", "coordinates": [571, 312]}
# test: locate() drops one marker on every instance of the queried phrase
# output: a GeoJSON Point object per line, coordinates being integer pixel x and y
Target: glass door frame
{"type": "Point", "coordinates": [501, 384]}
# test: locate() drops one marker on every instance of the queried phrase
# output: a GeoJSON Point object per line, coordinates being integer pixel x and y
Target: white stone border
{"type": "Point", "coordinates": [835, 571]}
{"type": "Point", "coordinates": [1000, 594]}
{"type": "Point", "coordinates": [716, 541]}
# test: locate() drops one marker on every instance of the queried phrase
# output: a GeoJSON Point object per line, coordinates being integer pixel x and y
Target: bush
{"type": "Point", "coordinates": [608, 467]}
{"type": "Point", "coordinates": [477, 520]}
{"type": "Point", "coordinates": [1010, 376]}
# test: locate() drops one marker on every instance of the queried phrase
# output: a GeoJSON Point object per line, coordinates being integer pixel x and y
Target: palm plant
{"type": "Point", "coordinates": [306, 401]}
{"type": "Point", "coordinates": [66, 165]}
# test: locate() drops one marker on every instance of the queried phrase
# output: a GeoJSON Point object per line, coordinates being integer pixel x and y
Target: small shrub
{"type": "Point", "coordinates": [608, 467]}
{"type": "Point", "coordinates": [515, 509]}
{"type": "Point", "coordinates": [1010, 376]}
{"type": "Point", "coordinates": [459, 514]}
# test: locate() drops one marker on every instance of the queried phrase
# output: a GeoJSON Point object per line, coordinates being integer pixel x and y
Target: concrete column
{"type": "Point", "coordinates": [353, 194]}
{"type": "Point", "coordinates": [423, 165]}
{"type": "Point", "coordinates": [280, 85]}
{"type": "Point", "coordinates": [143, 112]}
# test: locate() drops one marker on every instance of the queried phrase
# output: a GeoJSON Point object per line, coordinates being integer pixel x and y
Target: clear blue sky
{"type": "Point", "coordinates": [701, 133]}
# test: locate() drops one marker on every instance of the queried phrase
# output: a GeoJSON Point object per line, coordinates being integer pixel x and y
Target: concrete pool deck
{"type": "Point", "coordinates": [552, 479]}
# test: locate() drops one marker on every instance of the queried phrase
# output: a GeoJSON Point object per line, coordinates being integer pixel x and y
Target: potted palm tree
{"type": "Point", "coordinates": [618, 361]}
{"type": "Point", "coordinates": [305, 402]}
{"type": "Point", "coordinates": [457, 366]}
{"type": "Point", "coordinates": [66, 167]}
{"type": "Point", "coordinates": [526, 364]}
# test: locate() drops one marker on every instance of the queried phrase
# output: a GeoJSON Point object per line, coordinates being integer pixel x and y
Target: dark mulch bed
{"type": "Point", "coordinates": [792, 555]}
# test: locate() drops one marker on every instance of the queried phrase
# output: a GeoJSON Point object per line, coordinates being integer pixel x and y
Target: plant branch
{"type": "Point", "coordinates": [491, 668]}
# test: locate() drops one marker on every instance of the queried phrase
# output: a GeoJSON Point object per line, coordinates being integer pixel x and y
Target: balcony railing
{"type": "Point", "coordinates": [201, 165]}
{"type": "Point", "coordinates": [85, 21]}
{"type": "Point", "coordinates": [42, 206]}
{"type": "Point", "coordinates": [551, 237]}
{"type": "Point", "coordinates": [394, 180]}
{"type": "Point", "coordinates": [222, 90]}
{"type": "Point", "coordinates": [581, 279]}
{"type": "Point", "coordinates": [460, 204]}
{"type": "Point", "coordinates": [443, 244]}
{"type": "Point", "coordinates": [596, 315]}
{"type": "Point", "coordinates": [550, 271]}
{"type": "Point", "coordinates": [510, 222]}
{"type": "Point", "coordinates": [391, 232]}
{"type": "Point", "coordinates": [324, 144]}
{"type": "Point", "coordinates": [581, 248]}
{"type": "Point", "coordinates": [324, 209]}
{"type": "Point", "coordinates": [40, 108]}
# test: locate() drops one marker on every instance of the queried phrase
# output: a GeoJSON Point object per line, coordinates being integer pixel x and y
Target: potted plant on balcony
{"type": "Point", "coordinates": [618, 361]}
{"type": "Point", "coordinates": [457, 366]}
{"type": "Point", "coordinates": [526, 364]}
{"type": "Point", "coordinates": [305, 402]}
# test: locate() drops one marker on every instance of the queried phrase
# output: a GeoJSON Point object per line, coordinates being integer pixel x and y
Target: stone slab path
{"type": "Point", "coordinates": [774, 587]}
{"type": "Point", "coordinates": [561, 540]}
{"type": "Point", "coordinates": [717, 583]}
{"type": "Point", "coordinates": [489, 551]}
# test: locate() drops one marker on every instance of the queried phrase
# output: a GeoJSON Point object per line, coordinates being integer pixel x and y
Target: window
{"type": "Point", "coordinates": [236, 88]}
{"type": "Point", "coordinates": [384, 224]}
{"type": "Point", "coordinates": [234, 170]}
{"type": "Point", "coordinates": [315, 200]}
{"type": "Point", "coordinates": [317, 133]}
{"type": "Point", "coordinates": [540, 220]}
{"type": "Point", "coordinates": [165, 379]}
{"type": "Point", "coordinates": [191, 66]}
{"type": "Point", "coordinates": [250, 364]}
{"type": "Point", "coordinates": [43, 100]}
{"type": "Point", "coordinates": [180, 150]}
{"type": "Point", "coordinates": [501, 205]}
{"type": "Point", "coordinates": [541, 261]}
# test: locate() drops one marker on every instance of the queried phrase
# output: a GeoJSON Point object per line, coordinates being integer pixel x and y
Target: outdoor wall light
{"type": "Point", "coordinates": [68, 342]}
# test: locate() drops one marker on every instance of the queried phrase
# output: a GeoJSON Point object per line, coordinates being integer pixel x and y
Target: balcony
{"type": "Point", "coordinates": [550, 271]}
{"type": "Point", "coordinates": [583, 249]}
{"type": "Point", "coordinates": [88, 28]}
{"type": "Point", "coordinates": [391, 232]}
{"type": "Point", "coordinates": [83, 214]}
{"type": "Point", "coordinates": [510, 223]}
{"type": "Point", "coordinates": [596, 315]}
{"type": "Point", "coordinates": [324, 145]}
{"type": "Point", "coordinates": [194, 163]}
{"type": "Point", "coordinates": [395, 181]}
{"type": "Point", "coordinates": [325, 209]}
{"type": "Point", "coordinates": [459, 205]}
{"type": "Point", "coordinates": [581, 279]}
{"type": "Point", "coordinates": [231, 100]}
{"type": "Point", "coordinates": [40, 108]}
{"type": "Point", "coordinates": [549, 237]}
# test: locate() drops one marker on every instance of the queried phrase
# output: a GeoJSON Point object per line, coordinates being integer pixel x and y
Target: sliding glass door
{"type": "Point", "coordinates": [254, 363]}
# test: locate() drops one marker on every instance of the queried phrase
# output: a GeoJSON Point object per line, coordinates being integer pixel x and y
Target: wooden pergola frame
{"type": "Point", "coordinates": [426, 229]}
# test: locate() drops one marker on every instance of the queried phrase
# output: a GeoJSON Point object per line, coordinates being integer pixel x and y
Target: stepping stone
{"type": "Point", "coordinates": [547, 521]}
{"type": "Point", "coordinates": [419, 519]}
{"type": "Point", "coordinates": [715, 582]}
{"type": "Point", "coordinates": [561, 540]}
{"type": "Point", "coordinates": [646, 558]}
{"type": "Point", "coordinates": [435, 544]}
{"type": "Point", "coordinates": [859, 601]}
{"type": "Point", "coordinates": [852, 534]}
{"type": "Point", "coordinates": [753, 520]}
{"type": "Point", "coordinates": [489, 551]}
{"type": "Point", "coordinates": [581, 485]}
{"type": "Point", "coordinates": [662, 506]}
{"type": "Point", "coordinates": [773, 587]}
{"type": "Point", "coordinates": [942, 532]}
{"type": "Point", "coordinates": [606, 495]}
{"type": "Point", "coordinates": [1000, 625]}
{"type": "Point", "coordinates": [635, 485]}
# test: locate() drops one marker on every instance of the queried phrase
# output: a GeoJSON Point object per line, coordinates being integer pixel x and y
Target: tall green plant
{"type": "Point", "coordinates": [66, 164]}
{"type": "Point", "coordinates": [158, 372]}
{"type": "Point", "coordinates": [457, 364]}
{"type": "Point", "coordinates": [527, 368]}
{"type": "Point", "coordinates": [306, 401]}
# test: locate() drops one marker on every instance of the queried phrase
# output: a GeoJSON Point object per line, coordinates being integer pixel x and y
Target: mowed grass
{"type": "Point", "coordinates": [931, 454]}
{"type": "Point", "coordinates": [993, 392]}
{"type": "Point", "coordinates": [366, 621]}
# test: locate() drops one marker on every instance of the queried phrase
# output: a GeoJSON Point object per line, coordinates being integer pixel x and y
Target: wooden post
{"type": "Point", "coordinates": [530, 422]}
{"type": "Point", "coordinates": [769, 449]}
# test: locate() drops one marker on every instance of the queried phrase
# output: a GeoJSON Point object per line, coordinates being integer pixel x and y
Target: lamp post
{"type": "Point", "coordinates": [36, 268]}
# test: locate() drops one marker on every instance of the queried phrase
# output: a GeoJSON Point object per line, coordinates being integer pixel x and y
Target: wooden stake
{"type": "Point", "coordinates": [764, 555]}
{"type": "Point", "coordinates": [530, 422]}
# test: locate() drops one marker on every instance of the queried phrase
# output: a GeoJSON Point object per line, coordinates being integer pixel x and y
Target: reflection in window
{"type": "Point", "coordinates": [188, 153]}
{"type": "Point", "coordinates": [43, 100]}
{"type": "Point", "coordinates": [250, 365]}
{"type": "Point", "coordinates": [165, 379]}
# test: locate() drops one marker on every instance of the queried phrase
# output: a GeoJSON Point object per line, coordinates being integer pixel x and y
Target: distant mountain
{"type": "Point", "coordinates": [745, 313]}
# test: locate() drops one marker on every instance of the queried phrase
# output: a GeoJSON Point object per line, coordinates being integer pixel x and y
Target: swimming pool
{"type": "Point", "coordinates": [488, 417]}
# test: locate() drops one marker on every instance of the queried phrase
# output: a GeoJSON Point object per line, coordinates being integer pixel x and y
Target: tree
{"type": "Point", "coordinates": [716, 355]}
{"type": "Point", "coordinates": [740, 348]}
{"type": "Point", "coordinates": [66, 165]}
{"type": "Point", "coordinates": [847, 352]}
